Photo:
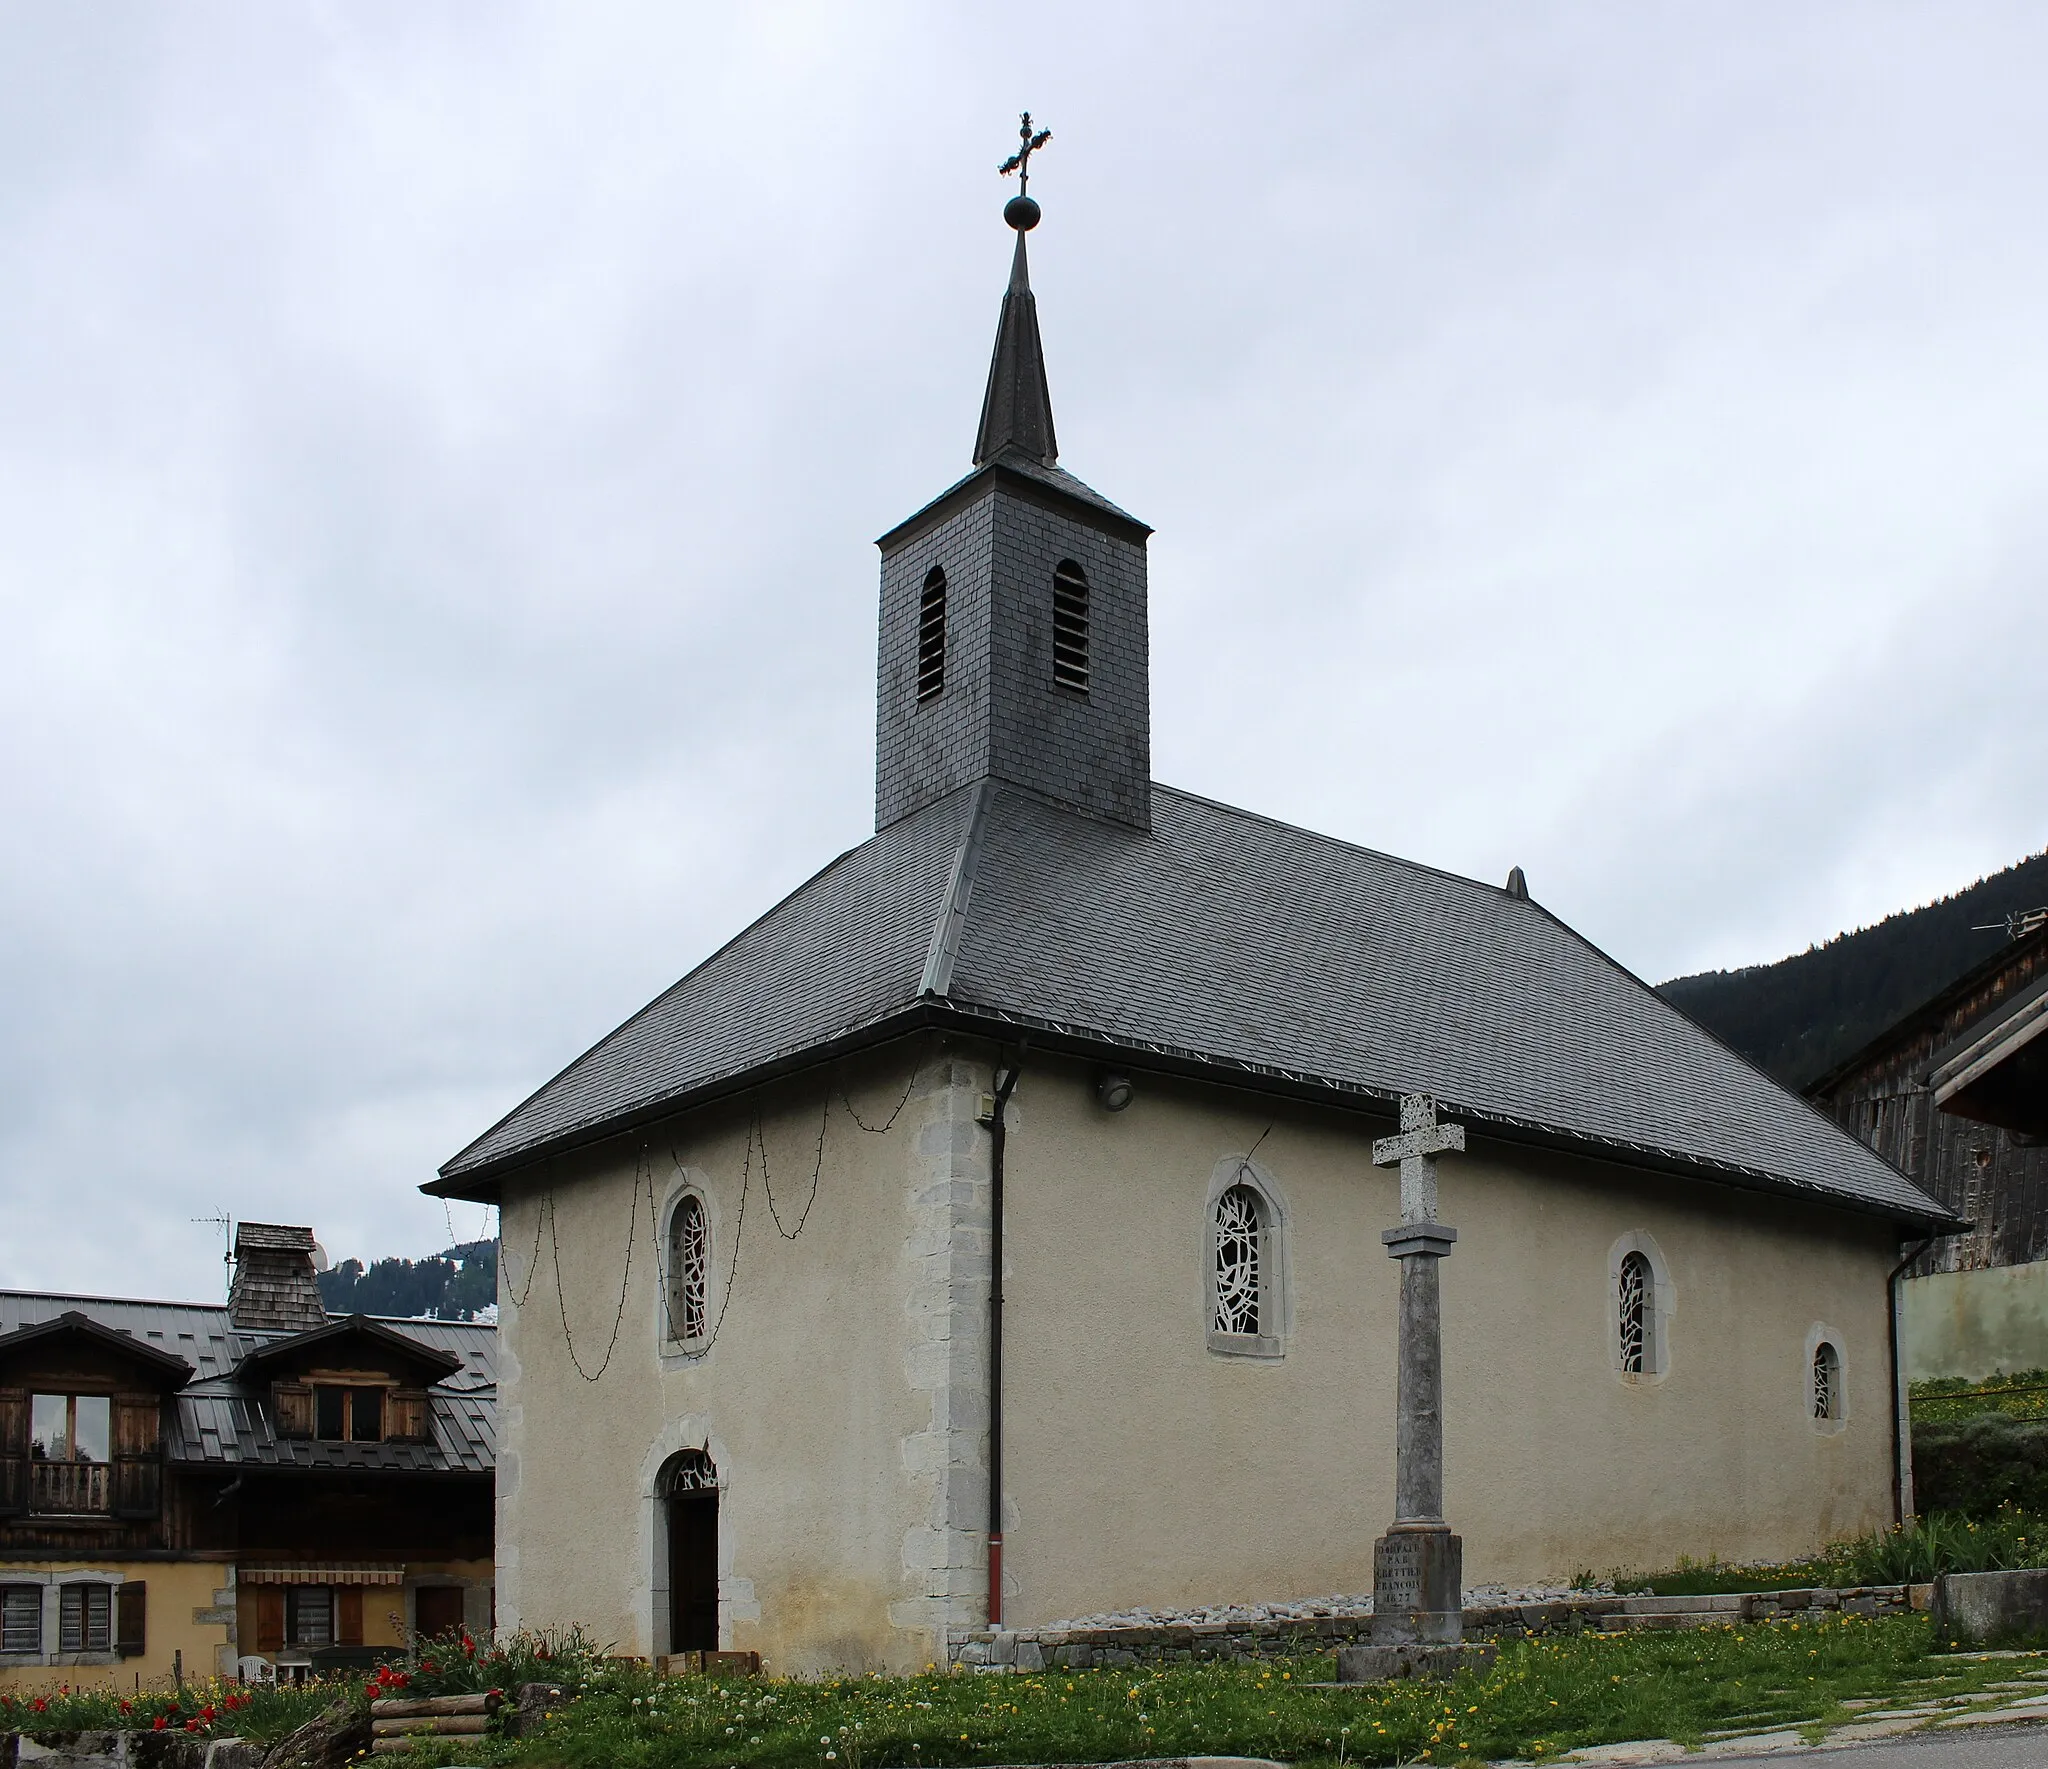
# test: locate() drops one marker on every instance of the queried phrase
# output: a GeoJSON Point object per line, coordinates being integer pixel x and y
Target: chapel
{"type": "Point", "coordinates": [989, 1234]}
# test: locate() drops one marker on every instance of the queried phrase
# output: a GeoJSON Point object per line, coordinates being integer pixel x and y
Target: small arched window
{"type": "Point", "coordinates": [931, 636]}
{"type": "Point", "coordinates": [1636, 1315]}
{"type": "Point", "coordinates": [1240, 1263]}
{"type": "Point", "coordinates": [1070, 626]}
{"type": "Point", "coordinates": [1827, 1382]}
{"type": "Point", "coordinates": [689, 1269]}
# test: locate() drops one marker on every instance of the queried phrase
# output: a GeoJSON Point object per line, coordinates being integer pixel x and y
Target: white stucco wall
{"type": "Point", "coordinates": [843, 1383]}
{"type": "Point", "coordinates": [844, 1401]}
{"type": "Point", "coordinates": [1144, 1468]}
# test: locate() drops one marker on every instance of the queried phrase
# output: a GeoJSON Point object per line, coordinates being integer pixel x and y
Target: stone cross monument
{"type": "Point", "coordinates": [1418, 1565]}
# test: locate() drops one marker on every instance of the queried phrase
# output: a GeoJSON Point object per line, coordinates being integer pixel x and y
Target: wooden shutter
{"type": "Point", "coordinates": [406, 1416]}
{"type": "Point", "coordinates": [269, 1618]}
{"type": "Point", "coordinates": [131, 1606]}
{"type": "Point", "coordinates": [294, 1402]}
{"type": "Point", "coordinates": [348, 1615]}
{"type": "Point", "coordinates": [13, 1451]}
{"type": "Point", "coordinates": [138, 1437]}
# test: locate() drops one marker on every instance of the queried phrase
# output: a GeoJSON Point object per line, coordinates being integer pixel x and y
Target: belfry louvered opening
{"type": "Point", "coordinates": [931, 636]}
{"type": "Point", "coordinates": [1070, 626]}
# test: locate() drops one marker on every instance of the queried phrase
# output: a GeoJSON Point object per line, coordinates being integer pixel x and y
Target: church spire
{"type": "Point", "coordinates": [1016, 412]}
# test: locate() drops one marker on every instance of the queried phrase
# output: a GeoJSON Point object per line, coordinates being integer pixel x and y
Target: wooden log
{"type": "Point", "coordinates": [398, 1707]}
{"type": "Point", "coordinates": [432, 1725]}
{"type": "Point", "coordinates": [383, 1747]}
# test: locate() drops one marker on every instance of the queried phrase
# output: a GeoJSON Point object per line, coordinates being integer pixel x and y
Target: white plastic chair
{"type": "Point", "coordinates": [255, 1670]}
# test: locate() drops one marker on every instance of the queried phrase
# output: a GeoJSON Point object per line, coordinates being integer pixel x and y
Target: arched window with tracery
{"type": "Point", "coordinates": [1827, 1382]}
{"type": "Point", "coordinates": [1240, 1263]}
{"type": "Point", "coordinates": [1636, 1315]}
{"type": "Point", "coordinates": [689, 1269]}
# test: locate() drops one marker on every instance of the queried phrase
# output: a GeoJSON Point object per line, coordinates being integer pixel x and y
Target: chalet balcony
{"type": "Point", "coordinates": [69, 1489]}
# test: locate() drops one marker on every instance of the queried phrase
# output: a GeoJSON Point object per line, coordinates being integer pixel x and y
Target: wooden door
{"type": "Point", "coordinates": [437, 1610]}
{"type": "Point", "coordinates": [693, 1570]}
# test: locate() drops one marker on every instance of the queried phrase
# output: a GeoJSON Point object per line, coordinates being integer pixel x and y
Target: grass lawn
{"type": "Point", "coordinates": [1542, 1698]}
{"type": "Point", "coordinates": [1927, 1546]}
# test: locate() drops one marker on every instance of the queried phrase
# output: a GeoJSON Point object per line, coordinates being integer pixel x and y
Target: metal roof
{"type": "Point", "coordinates": [220, 1421]}
{"type": "Point", "coordinates": [1224, 941]}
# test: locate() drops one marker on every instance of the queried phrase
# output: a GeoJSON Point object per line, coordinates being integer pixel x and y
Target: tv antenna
{"type": "Point", "coordinates": [2017, 925]}
{"type": "Point", "coordinates": [226, 1224]}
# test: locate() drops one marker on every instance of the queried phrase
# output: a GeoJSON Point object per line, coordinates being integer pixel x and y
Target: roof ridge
{"type": "Point", "coordinates": [1338, 841]}
{"type": "Point", "coordinates": [1833, 1128]}
{"type": "Point", "coordinates": [125, 1301]}
{"type": "Point", "coordinates": [950, 924]}
{"type": "Point", "coordinates": [648, 1007]}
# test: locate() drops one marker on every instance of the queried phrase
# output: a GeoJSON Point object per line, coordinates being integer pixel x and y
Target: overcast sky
{"type": "Point", "coordinates": [441, 448]}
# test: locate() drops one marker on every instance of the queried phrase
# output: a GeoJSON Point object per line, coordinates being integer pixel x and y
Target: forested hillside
{"type": "Point", "coordinates": [1799, 1017]}
{"type": "Point", "coordinates": [451, 1286]}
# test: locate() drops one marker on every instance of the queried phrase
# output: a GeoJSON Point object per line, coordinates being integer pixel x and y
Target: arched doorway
{"type": "Point", "coordinates": [688, 1491]}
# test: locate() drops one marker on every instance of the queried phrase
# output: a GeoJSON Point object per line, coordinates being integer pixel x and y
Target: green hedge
{"type": "Point", "coordinates": [1976, 1465]}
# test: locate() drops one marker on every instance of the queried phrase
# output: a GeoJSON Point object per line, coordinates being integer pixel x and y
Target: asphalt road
{"type": "Point", "coordinates": [1987, 1747]}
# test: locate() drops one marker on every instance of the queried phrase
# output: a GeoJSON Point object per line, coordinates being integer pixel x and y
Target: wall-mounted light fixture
{"type": "Point", "coordinates": [1114, 1090]}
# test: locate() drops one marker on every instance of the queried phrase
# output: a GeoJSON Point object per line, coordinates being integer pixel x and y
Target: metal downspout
{"type": "Point", "coordinates": [1902, 1427]}
{"type": "Point", "coordinates": [998, 1136]}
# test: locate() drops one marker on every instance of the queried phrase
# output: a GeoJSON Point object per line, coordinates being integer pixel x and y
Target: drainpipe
{"type": "Point", "coordinates": [1902, 1424]}
{"type": "Point", "coordinates": [998, 1135]}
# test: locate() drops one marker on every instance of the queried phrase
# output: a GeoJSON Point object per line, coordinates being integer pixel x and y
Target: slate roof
{"type": "Point", "coordinates": [1218, 940]}
{"type": "Point", "coordinates": [220, 1421]}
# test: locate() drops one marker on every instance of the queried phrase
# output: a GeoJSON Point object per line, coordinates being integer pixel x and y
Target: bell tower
{"type": "Point", "coordinates": [1014, 640]}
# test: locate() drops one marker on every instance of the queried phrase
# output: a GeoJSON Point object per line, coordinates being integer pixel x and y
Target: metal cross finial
{"type": "Point", "coordinates": [1414, 1151]}
{"type": "Point", "coordinates": [1020, 161]}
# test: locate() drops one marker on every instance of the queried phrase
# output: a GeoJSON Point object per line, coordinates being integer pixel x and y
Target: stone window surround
{"type": "Point", "coordinates": [1274, 1295]}
{"type": "Point", "coordinates": [1819, 1334]}
{"type": "Point", "coordinates": [53, 1584]}
{"type": "Point", "coordinates": [674, 1353]}
{"type": "Point", "coordinates": [1663, 1308]}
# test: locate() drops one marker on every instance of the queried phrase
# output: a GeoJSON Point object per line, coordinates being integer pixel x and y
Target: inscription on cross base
{"type": "Point", "coordinates": [1415, 1150]}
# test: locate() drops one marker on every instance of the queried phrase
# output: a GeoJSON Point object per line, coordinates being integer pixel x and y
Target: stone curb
{"type": "Point", "coordinates": [1030, 1650]}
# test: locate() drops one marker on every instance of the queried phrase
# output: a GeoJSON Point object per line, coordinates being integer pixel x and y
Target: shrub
{"type": "Point", "coordinates": [1977, 1465]}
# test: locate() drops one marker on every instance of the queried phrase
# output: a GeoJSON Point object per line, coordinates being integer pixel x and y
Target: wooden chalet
{"type": "Point", "coordinates": [187, 1489]}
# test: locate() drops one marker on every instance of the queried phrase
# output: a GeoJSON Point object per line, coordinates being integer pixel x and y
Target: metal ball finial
{"type": "Point", "coordinates": [1021, 213]}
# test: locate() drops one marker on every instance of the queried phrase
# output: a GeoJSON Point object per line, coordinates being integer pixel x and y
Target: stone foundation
{"type": "Point", "coordinates": [1080, 1648]}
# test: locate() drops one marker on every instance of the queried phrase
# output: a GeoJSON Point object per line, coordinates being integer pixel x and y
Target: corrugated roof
{"type": "Point", "coordinates": [221, 1422]}
{"type": "Point", "coordinates": [1225, 939]}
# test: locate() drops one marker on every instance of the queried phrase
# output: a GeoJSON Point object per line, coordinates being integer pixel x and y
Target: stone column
{"type": "Point", "coordinates": [1418, 1565]}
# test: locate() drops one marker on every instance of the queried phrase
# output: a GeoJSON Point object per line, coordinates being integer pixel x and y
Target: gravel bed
{"type": "Point", "coordinates": [1308, 1609]}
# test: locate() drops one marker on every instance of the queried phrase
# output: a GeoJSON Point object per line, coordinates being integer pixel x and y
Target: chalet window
{"type": "Point", "coordinates": [1070, 626]}
{"type": "Point", "coordinates": [931, 636]}
{"type": "Point", "coordinates": [71, 1428]}
{"type": "Point", "coordinates": [348, 1414]}
{"type": "Point", "coordinates": [309, 1615]}
{"type": "Point", "coordinates": [85, 1618]}
{"type": "Point", "coordinates": [70, 1452]}
{"type": "Point", "coordinates": [1827, 1382]}
{"type": "Point", "coordinates": [21, 1618]}
{"type": "Point", "coordinates": [1634, 1308]}
{"type": "Point", "coordinates": [689, 1269]}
